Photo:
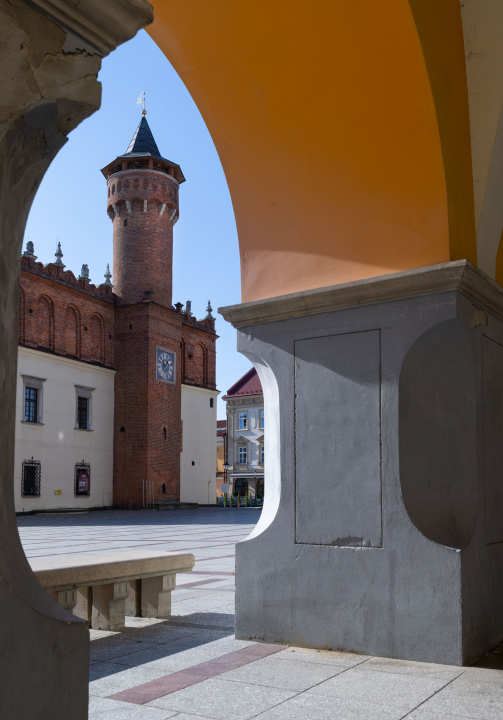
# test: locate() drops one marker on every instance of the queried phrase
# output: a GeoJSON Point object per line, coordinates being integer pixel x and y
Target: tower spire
{"type": "Point", "coordinates": [143, 142]}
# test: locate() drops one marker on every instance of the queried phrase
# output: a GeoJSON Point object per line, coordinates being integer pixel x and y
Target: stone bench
{"type": "Point", "coordinates": [105, 587]}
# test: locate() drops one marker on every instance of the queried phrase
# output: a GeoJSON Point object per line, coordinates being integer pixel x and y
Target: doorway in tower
{"type": "Point", "coordinates": [149, 248]}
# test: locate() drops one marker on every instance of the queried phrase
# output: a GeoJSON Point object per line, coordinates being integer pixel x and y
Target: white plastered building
{"type": "Point", "coordinates": [199, 449]}
{"type": "Point", "coordinates": [245, 437]}
{"type": "Point", "coordinates": [55, 455]}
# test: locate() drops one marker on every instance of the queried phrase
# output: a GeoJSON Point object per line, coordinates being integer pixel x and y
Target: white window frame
{"type": "Point", "coordinates": [84, 392]}
{"type": "Point", "coordinates": [261, 454]}
{"type": "Point", "coordinates": [36, 384]}
{"type": "Point", "coordinates": [243, 413]}
{"type": "Point", "coordinates": [245, 450]}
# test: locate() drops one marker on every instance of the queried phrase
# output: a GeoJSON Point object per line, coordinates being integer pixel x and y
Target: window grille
{"type": "Point", "coordinates": [31, 404]}
{"type": "Point", "coordinates": [82, 413]}
{"type": "Point", "coordinates": [82, 479]}
{"type": "Point", "coordinates": [30, 478]}
{"type": "Point", "coordinates": [242, 455]}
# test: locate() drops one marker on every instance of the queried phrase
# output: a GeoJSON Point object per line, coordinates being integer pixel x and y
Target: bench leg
{"type": "Point", "coordinates": [83, 608]}
{"type": "Point", "coordinates": [156, 596]}
{"type": "Point", "coordinates": [109, 606]}
{"type": "Point", "coordinates": [133, 602]}
{"type": "Point", "coordinates": [66, 598]}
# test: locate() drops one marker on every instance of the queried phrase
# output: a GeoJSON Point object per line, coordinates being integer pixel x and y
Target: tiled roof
{"type": "Point", "coordinates": [221, 424]}
{"type": "Point", "coordinates": [248, 385]}
{"type": "Point", "coordinates": [143, 142]}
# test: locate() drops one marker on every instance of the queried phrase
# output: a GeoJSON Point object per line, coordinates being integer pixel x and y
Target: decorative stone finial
{"type": "Point", "coordinates": [84, 273]}
{"type": "Point", "coordinates": [179, 307]}
{"type": "Point", "coordinates": [59, 255]}
{"type": "Point", "coordinates": [29, 250]}
{"type": "Point", "coordinates": [188, 307]}
{"type": "Point", "coordinates": [108, 276]}
{"type": "Point", "coordinates": [209, 316]}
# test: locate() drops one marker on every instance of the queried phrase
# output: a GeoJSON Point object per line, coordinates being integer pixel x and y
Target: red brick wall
{"type": "Point", "coordinates": [143, 241]}
{"type": "Point", "coordinates": [62, 315]}
{"type": "Point", "coordinates": [145, 406]}
{"type": "Point", "coordinates": [199, 355]}
{"type": "Point", "coordinates": [72, 332]}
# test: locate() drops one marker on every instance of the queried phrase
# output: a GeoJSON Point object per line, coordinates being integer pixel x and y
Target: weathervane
{"type": "Point", "coordinates": [141, 101]}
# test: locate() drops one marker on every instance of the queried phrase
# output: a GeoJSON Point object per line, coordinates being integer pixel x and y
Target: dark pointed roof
{"type": "Point", "coordinates": [141, 146]}
{"type": "Point", "coordinates": [143, 142]}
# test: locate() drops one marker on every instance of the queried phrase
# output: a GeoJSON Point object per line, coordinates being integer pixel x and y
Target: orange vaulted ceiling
{"type": "Point", "coordinates": [324, 115]}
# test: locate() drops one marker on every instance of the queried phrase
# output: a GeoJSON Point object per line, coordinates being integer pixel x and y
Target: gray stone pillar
{"type": "Point", "coordinates": [382, 528]}
{"type": "Point", "coordinates": [48, 66]}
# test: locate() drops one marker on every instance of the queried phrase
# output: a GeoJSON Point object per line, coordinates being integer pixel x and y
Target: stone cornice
{"type": "Point", "coordinates": [100, 24]}
{"type": "Point", "coordinates": [245, 401]}
{"type": "Point", "coordinates": [458, 275]}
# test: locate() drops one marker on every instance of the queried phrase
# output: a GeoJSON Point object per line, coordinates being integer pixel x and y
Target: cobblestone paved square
{"type": "Point", "coordinates": [192, 668]}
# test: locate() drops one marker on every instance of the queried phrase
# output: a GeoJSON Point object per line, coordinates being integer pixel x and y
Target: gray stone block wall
{"type": "Point", "coordinates": [382, 526]}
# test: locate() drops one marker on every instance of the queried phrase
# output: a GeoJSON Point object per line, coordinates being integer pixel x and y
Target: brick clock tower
{"type": "Point", "coordinates": [158, 348]}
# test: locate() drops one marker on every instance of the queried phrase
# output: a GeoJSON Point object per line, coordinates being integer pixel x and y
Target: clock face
{"type": "Point", "coordinates": [165, 365]}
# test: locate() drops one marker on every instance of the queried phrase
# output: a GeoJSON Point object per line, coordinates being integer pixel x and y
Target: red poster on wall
{"type": "Point", "coordinates": [83, 484]}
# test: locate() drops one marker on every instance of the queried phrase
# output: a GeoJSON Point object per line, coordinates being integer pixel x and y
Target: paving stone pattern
{"type": "Point", "coordinates": [192, 668]}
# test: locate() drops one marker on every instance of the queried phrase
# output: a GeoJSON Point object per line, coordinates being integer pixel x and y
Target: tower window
{"type": "Point", "coordinates": [211, 402]}
{"type": "Point", "coordinates": [30, 478]}
{"type": "Point", "coordinates": [125, 222]}
{"type": "Point", "coordinates": [164, 488]}
{"type": "Point", "coordinates": [130, 327]}
{"type": "Point", "coordinates": [164, 433]}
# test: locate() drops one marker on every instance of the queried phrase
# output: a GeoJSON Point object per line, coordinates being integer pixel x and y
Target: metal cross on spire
{"type": "Point", "coordinates": [141, 101]}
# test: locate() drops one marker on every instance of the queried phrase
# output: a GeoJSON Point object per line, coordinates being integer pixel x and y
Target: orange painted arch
{"type": "Point", "coordinates": [342, 128]}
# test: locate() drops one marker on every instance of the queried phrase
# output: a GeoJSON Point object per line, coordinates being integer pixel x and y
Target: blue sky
{"type": "Point", "coordinates": [70, 205]}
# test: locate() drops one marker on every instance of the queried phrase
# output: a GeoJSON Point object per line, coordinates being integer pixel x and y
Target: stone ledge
{"type": "Point", "coordinates": [459, 275]}
{"type": "Point", "coordinates": [101, 25]}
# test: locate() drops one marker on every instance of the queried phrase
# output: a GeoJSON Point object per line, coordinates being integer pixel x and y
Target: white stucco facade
{"type": "Point", "coordinates": [245, 437]}
{"type": "Point", "coordinates": [54, 441]}
{"type": "Point", "coordinates": [199, 449]}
